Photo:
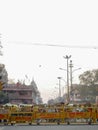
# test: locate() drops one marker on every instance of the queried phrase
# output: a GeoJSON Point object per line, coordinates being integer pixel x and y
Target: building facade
{"type": "Point", "coordinates": [19, 93]}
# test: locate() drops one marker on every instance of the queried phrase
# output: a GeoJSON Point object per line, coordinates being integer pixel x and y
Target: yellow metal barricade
{"type": "Point", "coordinates": [50, 114]}
{"type": "Point", "coordinates": [21, 117]}
{"type": "Point", "coordinates": [4, 116]}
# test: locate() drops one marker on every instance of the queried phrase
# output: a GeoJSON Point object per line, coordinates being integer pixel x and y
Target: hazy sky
{"type": "Point", "coordinates": [60, 22]}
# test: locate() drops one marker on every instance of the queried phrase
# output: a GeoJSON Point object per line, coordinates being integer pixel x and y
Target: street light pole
{"type": "Point", "coordinates": [59, 86]}
{"type": "Point", "coordinates": [68, 96]}
{"type": "Point", "coordinates": [71, 77]}
{"type": "Point", "coordinates": [71, 65]}
{"type": "Point", "coordinates": [64, 91]}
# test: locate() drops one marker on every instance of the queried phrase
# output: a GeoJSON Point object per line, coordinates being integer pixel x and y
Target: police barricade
{"type": "Point", "coordinates": [86, 115]}
{"type": "Point", "coordinates": [93, 114]}
{"type": "Point", "coordinates": [97, 115]}
{"type": "Point", "coordinates": [45, 117]}
{"type": "Point", "coordinates": [77, 117]}
{"type": "Point", "coordinates": [4, 117]}
{"type": "Point", "coordinates": [21, 117]}
{"type": "Point", "coordinates": [51, 115]}
{"type": "Point", "coordinates": [67, 115]}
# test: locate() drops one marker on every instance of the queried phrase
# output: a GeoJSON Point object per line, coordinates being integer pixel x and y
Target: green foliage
{"type": "Point", "coordinates": [89, 85]}
{"type": "Point", "coordinates": [89, 78]}
{"type": "Point", "coordinates": [3, 98]}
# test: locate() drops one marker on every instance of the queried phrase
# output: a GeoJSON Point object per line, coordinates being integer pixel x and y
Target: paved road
{"type": "Point", "coordinates": [49, 127]}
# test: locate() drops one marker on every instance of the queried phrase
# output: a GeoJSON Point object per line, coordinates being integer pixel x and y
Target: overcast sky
{"type": "Point", "coordinates": [24, 23]}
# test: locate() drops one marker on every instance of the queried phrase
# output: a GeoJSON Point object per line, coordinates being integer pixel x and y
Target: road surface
{"type": "Point", "coordinates": [50, 127]}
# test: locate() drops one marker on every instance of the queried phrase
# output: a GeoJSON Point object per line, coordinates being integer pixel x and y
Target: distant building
{"type": "Point", "coordinates": [75, 94]}
{"type": "Point", "coordinates": [18, 93]}
{"type": "Point", "coordinates": [21, 93]}
{"type": "Point", "coordinates": [36, 94]}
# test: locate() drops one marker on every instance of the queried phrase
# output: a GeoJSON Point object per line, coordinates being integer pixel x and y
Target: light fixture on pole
{"type": "Point", "coordinates": [68, 96]}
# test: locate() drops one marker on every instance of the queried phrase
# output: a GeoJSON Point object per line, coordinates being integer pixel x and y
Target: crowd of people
{"type": "Point", "coordinates": [48, 108]}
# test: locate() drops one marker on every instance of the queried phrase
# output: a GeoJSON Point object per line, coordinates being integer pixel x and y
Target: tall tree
{"type": "Point", "coordinates": [3, 98]}
{"type": "Point", "coordinates": [89, 84]}
{"type": "Point", "coordinates": [3, 74]}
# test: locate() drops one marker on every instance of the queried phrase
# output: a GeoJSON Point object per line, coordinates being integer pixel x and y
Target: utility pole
{"type": "Point", "coordinates": [71, 87]}
{"type": "Point", "coordinates": [71, 79]}
{"type": "Point", "coordinates": [68, 95]}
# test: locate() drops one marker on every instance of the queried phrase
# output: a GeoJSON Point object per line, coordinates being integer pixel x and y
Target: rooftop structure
{"type": "Point", "coordinates": [19, 93]}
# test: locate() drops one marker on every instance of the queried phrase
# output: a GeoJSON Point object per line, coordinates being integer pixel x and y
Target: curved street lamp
{"type": "Point", "coordinates": [69, 72]}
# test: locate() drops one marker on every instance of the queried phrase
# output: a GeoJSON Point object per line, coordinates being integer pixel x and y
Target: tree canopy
{"type": "Point", "coordinates": [89, 77]}
{"type": "Point", "coordinates": [89, 85]}
{"type": "Point", "coordinates": [3, 98]}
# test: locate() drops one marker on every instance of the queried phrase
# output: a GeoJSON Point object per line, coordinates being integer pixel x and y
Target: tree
{"type": "Point", "coordinates": [1, 85]}
{"type": "Point", "coordinates": [3, 74]}
{"type": "Point", "coordinates": [89, 84]}
{"type": "Point", "coordinates": [3, 98]}
{"type": "Point", "coordinates": [89, 77]}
